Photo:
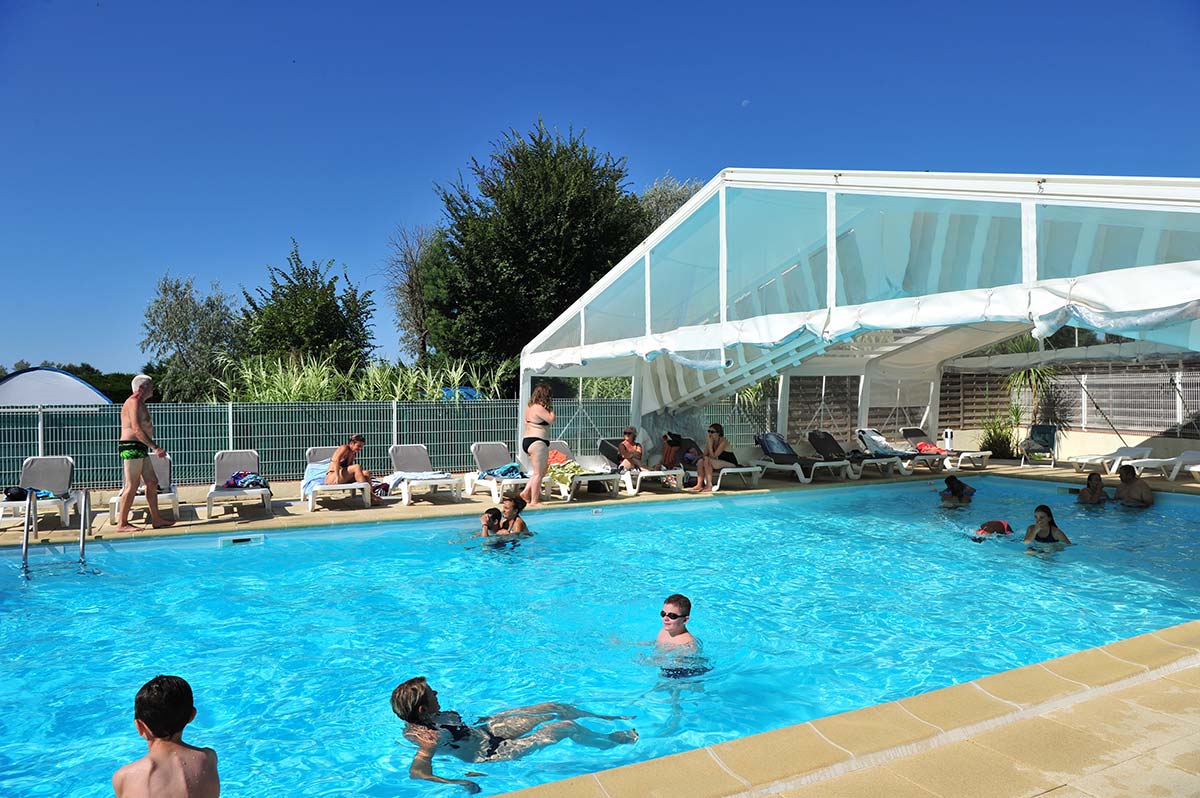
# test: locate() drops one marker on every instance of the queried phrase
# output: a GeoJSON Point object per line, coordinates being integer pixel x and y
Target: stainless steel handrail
{"type": "Point", "coordinates": [30, 525]}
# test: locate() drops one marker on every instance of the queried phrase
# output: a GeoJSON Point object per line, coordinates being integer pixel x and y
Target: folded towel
{"type": "Point", "coordinates": [396, 477]}
{"type": "Point", "coordinates": [314, 474]}
{"type": "Point", "coordinates": [506, 471]}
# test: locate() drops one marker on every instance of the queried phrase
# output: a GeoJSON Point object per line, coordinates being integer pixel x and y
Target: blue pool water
{"type": "Point", "coordinates": [808, 604]}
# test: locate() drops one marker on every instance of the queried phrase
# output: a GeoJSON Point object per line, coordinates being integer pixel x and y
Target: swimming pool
{"type": "Point", "coordinates": [809, 603]}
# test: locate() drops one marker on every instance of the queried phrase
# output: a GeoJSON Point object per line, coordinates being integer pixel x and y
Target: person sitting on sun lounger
{"type": "Point", "coordinates": [344, 471]}
{"type": "Point", "coordinates": [631, 452]}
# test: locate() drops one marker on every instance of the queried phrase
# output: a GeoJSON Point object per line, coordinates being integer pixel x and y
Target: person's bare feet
{"type": "Point", "coordinates": [128, 528]}
{"type": "Point", "coordinates": [162, 524]}
{"type": "Point", "coordinates": [630, 736]}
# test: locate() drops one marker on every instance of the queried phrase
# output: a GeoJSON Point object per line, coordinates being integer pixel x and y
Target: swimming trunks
{"type": "Point", "coordinates": [527, 442]}
{"type": "Point", "coordinates": [132, 450]}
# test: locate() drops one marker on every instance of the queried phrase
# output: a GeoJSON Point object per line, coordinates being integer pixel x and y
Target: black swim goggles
{"type": "Point", "coordinates": [672, 615]}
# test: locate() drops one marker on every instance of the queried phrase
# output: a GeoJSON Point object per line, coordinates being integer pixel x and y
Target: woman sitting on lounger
{"type": "Point", "coordinates": [506, 735]}
{"type": "Point", "coordinates": [716, 456]}
{"type": "Point", "coordinates": [631, 452]}
{"type": "Point", "coordinates": [344, 471]}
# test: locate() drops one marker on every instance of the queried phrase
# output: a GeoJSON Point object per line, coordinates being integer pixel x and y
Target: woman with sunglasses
{"type": "Point", "coordinates": [716, 456]}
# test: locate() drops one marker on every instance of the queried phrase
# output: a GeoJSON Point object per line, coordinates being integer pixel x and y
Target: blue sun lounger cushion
{"type": "Point", "coordinates": [776, 449]}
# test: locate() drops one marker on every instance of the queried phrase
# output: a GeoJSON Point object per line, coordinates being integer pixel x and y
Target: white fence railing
{"type": "Point", "coordinates": [193, 433]}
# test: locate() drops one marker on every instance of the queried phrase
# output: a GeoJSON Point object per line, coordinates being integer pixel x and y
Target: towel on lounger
{"type": "Point", "coordinates": [506, 471]}
{"type": "Point", "coordinates": [563, 473]}
{"type": "Point", "coordinates": [396, 477]}
{"type": "Point", "coordinates": [314, 474]}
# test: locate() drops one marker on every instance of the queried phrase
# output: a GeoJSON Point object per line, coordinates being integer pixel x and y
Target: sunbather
{"type": "Point", "coordinates": [343, 470]}
{"type": "Point", "coordinates": [539, 415]}
{"type": "Point", "coordinates": [1093, 491]}
{"type": "Point", "coordinates": [716, 456]}
{"type": "Point", "coordinates": [506, 735]}
{"type": "Point", "coordinates": [631, 451]}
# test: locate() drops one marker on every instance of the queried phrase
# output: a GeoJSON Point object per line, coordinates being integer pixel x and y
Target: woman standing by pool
{"type": "Point", "coordinates": [539, 415]}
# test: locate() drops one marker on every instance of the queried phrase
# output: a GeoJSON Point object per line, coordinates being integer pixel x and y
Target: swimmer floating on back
{"type": "Point", "coordinates": [506, 735]}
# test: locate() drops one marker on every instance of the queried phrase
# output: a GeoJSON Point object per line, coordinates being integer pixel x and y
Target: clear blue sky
{"type": "Point", "coordinates": [143, 137]}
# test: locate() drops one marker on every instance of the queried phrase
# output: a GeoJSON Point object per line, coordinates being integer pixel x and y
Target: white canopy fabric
{"type": "Point", "coordinates": [47, 386]}
{"type": "Point", "coordinates": [767, 270]}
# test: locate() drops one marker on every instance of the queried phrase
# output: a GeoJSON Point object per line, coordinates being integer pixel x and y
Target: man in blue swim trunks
{"type": "Point", "coordinates": [134, 448]}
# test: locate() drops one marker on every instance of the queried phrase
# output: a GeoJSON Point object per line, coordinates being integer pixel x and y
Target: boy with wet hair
{"type": "Point", "coordinates": [171, 768]}
{"type": "Point", "coordinates": [675, 613]}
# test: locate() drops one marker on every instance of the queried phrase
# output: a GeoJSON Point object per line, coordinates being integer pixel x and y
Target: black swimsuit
{"type": "Point", "coordinates": [1040, 539]}
{"type": "Point", "coordinates": [460, 731]}
{"type": "Point", "coordinates": [530, 441]}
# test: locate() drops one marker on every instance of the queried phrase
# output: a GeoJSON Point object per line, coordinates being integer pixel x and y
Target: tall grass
{"type": "Point", "coordinates": [311, 379]}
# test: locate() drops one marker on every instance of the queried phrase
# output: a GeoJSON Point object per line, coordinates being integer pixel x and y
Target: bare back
{"type": "Point", "coordinates": [135, 421]}
{"type": "Point", "coordinates": [170, 770]}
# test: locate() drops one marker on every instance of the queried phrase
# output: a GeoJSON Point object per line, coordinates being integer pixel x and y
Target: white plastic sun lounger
{"type": "Point", "coordinates": [488, 455]}
{"type": "Point", "coordinates": [167, 493]}
{"type": "Point", "coordinates": [603, 473]}
{"type": "Point", "coordinates": [956, 459]}
{"type": "Point", "coordinates": [1113, 460]}
{"type": "Point", "coordinates": [229, 462]}
{"type": "Point", "coordinates": [1169, 467]}
{"type": "Point", "coordinates": [413, 458]}
{"type": "Point", "coordinates": [632, 479]}
{"type": "Point", "coordinates": [53, 474]}
{"type": "Point", "coordinates": [319, 454]}
{"type": "Point", "coordinates": [877, 444]}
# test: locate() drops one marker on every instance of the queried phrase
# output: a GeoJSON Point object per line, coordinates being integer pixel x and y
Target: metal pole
{"type": "Point", "coordinates": [230, 422]}
{"type": "Point", "coordinates": [85, 522]}
{"type": "Point", "coordinates": [30, 525]}
{"type": "Point", "coordinates": [41, 431]}
{"type": "Point", "coordinates": [395, 423]}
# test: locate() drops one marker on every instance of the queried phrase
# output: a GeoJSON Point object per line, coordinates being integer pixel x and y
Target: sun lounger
{"type": "Point", "coordinates": [633, 478]}
{"type": "Point", "coordinates": [1113, 460]}
{"type": "Point", "coordinates": [877, 444]}
{"type": "Point", "coordinates": [778, 455]}
{"type": "Point", "coordinates": [828, 447]}
{"type": "Point", "coordinates": [749, 474]}
{"type": "Point", "coordinates": [488, 456]}
{"type": "Point", "coordinates": [1169, 467]}
{"type": "Point", "coordinates": [52, 474]}
{"type": "Point", "coordinates": [599, 471]}
{"type": "Point", "coordinates": [412, 468]}
{"type": "Point", "coordinates": [226, 464]}
{"type": "Point", "coordinates": [324, 454]}
{"type": "Point", "coordinates": [956, 458]}
{"type": "Point", "coordinates": [1041, 443]}
{"type": "Point", "coordinates": [167, 493]}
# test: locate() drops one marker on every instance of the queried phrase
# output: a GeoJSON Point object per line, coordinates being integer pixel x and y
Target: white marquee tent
{"type": "Point", "coordinates": [884, 275]}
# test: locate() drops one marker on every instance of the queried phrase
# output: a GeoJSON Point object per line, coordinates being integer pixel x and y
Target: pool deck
{"type": "Point", "coordinates": [1119, 720]}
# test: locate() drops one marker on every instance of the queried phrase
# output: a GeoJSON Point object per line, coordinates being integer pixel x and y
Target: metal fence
{"type": "Point", "coordinates": [1165, 402]}
{"type": "Point", "coordinates": [193, 433]}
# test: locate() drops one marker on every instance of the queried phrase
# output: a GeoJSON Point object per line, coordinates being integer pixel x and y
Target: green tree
{"type": "Point", "coordinates": [21, 365]}
{"type": "Point", "coordinates": [302, 314]}
{"type": "Point", "coordinates": [665, 196]}
{"type": "Point", "coordinates": [405, 272]}
{"type": "Point", "coordinates": [189, 334]}
{"type": "Point", "coordinates": [546, 217]}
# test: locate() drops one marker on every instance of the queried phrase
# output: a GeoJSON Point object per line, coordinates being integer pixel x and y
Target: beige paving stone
{"type": "Point", "coordinates": [1053, 748]}
{"type": "Point", "coordinates": [1189, 676]}
{"type": "Point", "coordinates": [1148, 650]}
{"type": "Point", "coordinates": [765, 758]}
{"type": "Point", "coordinates": [876, 782]}
{"type": "Point", "coordinates": [1130, 726]}
{"type": "Point", "coordinates": [1092, 667]}
{"type": "Point", "coordinates": [1028, 686]}
{"type": "Point", "coordinates": [577, 787]}
{"type": "Point", "coordinates": [873, 729]}
{"type": "Point", "coordinates": [967, 770]}
{"type": "Point", "coordinates": [1183, 754]}
{"type": "Point", "coordinates": [692, 774]}
{"type": "Point", "coordinates": [1163, 695]}
{"type": "Point", "coordinates": [1186, 634]}
{"type": "Point", "coordinates": [953, 707]}
{"type": "Point", "coordinates": [1142, 777]}
{"type": "Point", "coordinates": [1066, 791]}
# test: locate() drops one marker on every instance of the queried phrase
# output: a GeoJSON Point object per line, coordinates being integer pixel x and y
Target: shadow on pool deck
{"type": "Point", "coordinates": [1120, 720]}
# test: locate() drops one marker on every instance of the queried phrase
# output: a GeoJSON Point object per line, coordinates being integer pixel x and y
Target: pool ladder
{"type": "Point", "coordinates": [83, 507]}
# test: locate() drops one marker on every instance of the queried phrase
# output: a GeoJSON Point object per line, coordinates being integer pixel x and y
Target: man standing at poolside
{"type": "Point", "coordinates": [134, 448]}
